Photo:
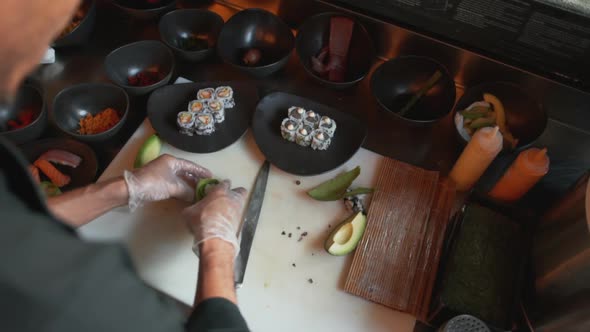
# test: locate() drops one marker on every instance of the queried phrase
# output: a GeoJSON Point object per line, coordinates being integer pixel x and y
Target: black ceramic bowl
{"type": "Point", "coordinates": [258, 29]}
{"type": "Point", "coordinates": [142, 10]}
{"type": "Point", "coordinates": [177, 27]}
{"type": "Point", "coordinates": [137, 57]}
{"type": "Point", "coordinates": [314, 35]}
{"type": "Point", "coordinates": [79, 35]}
{"type": "Point", "coordinates": [28, 98]}
{"type": "Point", "coordinates": [396, 81]}
{"type": "Point", "coordinates": [525, 117]}
{"type": "Point", "coordinates": [75, 102]}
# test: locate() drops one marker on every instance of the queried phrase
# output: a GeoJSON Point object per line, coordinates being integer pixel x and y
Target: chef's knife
{"type": "Point", "coordinates": [250, 222]}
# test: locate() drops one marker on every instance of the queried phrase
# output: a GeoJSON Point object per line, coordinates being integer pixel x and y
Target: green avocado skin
{"type": "Point", "coordinates": [149, 151]}
{"type": "Point", "coordinates": [481, 269]}
{"type": "Point", "coordinates": [200, 191]}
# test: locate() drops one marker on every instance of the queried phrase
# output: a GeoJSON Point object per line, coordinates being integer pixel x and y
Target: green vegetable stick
{"type": "Point", "coordinates": [334, 189]}
{"type": "Point", "coordinates": [429, 84]}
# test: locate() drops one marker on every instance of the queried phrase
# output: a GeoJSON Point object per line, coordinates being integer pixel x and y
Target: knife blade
{"type": "Point", "coordinates": [250, 222]}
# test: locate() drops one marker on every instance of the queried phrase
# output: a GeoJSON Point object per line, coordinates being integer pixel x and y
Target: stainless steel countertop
{"type": "Point", "coordinates": [433, 148]}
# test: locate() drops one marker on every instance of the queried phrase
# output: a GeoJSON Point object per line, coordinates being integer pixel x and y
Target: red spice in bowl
{"type": "Point", "coordinates": [145, 78]}
{"type": "Point", "coordinates": [24, 118]}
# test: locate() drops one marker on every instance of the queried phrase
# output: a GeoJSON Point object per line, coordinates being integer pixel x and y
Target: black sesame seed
{"type": "Point", "coordinates": [290, 234]}
{"type": "Point", "coordinates": [294, 265]}
{"type": "Point", "coordinates": [297, 182]}
{"type": "Point", "coordinates": [304, 234]}
{"type": "Point", "coordinates": [283, 233]}
{"type": "Point", "coordinates": [310, 280]}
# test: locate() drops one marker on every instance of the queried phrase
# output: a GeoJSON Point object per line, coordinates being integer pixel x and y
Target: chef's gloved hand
{"type": "Point", "coordinates": [163, 178]}
{"type": "Point", "coordinates": [218, 215]}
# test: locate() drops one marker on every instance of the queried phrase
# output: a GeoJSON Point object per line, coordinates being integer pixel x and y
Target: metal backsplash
{"type": "Point", "coordinates": [568, 133]}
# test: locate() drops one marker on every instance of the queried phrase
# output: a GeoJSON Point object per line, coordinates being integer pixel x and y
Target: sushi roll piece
{"type": "Point", "coordinates": [311, 119]}
{"type": "Point", "coordinates": [289, 129]}
{"type": "Point", "coordinates": [320, 140]}
{"type": "Point", "coordinates": [329, 125]}
{"type": "Point", "coordinates": [217, 110]}
{"type": "Point", "coordinates": [226, 95]}
{"type": "Point", "coordinates": [204, 124]}
{"type": "Point", "coordinates": [197, 106]}
{"type": "Point", "coordinates": [186, 122]}
{"type": "Point", "coordinates": [206, 94]}
{"type": "Point", "coordinates": [296, 113]}
{"type": "Point", "coordinates": [303, 135]}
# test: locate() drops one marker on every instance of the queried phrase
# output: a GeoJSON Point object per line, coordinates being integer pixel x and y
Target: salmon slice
{"type": "Point", "coordinates": [35, 173]}
{"type": "Point", "coordinates": [57, 177]}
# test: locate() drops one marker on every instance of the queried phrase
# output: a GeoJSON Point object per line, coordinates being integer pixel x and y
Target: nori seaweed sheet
{"type": "Point", "coordinates": [483, 266]}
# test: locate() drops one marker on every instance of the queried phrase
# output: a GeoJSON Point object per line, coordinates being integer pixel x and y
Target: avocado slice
{"type": "Point", "coordinates": [202, 186]}
{"type": "Point", "coordinates": [346, 236]}
{"type": "Point", "coordinates": [334, 189]}
{"type": "Point", "coordinates": [149, 151]}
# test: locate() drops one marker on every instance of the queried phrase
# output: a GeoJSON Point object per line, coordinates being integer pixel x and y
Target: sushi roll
{"type": "Point", "coordinates": [197, 106]}
{"type": "Point", "coordinates": [289, 129]}
{"type": "Point", "coordinates": [206, 94]}
{"type": "Point", "coordinates": [329, 125]}
{"type": "Point", "coordinates": [226, 95]}
{"type": "Point", "coordinates": [311, 119]}
{"type": "Point", "coordinates": [185, 122]}
{"type": "Point", "coordinates": [217, 110]}
{"type": "Point", "coordinates": [204, 124]}
{"type": "Point", "coordinates": [296, 113]}
{"type": "Point", "coordinates": [320, 140]}
{"type": "Point", "coordinates": [303, 135]}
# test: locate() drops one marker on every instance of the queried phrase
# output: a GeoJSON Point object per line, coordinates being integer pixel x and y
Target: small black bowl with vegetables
{"type": "Point", "coordinates": [520, 118]}
{"type": "Point", "coordinates": [416, 89]}
{"type": "Point", "coordinates": [80, 27]}
{"type": "Point", "coordinates": [191, 33]}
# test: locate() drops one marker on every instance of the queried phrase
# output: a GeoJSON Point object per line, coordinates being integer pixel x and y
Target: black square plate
{"type": "Point", "coordinates": [299, 160]}
{"type": "Point", "coordinates": [165, 103]}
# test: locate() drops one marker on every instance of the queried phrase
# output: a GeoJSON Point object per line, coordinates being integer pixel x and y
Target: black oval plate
{"type": "Point", "coordinates": [165, 103]}
{"type": "Point", "coordinates": [82, 175]}
{"type": "Point", "coordinates": [295, 159]}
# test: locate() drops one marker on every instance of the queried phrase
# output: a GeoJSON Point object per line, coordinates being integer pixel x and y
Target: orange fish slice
{"type": "Point", "coordinates": [57, 177]}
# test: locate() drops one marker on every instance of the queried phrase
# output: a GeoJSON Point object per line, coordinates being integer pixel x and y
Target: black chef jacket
{"type": "Point", "coordinates": [51, 280]}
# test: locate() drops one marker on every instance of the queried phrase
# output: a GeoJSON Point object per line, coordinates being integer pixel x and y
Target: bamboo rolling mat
{"type": "Point", "coordinates": [395, 263]}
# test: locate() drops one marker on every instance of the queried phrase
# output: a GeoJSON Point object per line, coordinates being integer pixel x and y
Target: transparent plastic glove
{"type": "Point", "coordinates": [218, 215]}
{"type": "Point", "coordinates": [163, 178]}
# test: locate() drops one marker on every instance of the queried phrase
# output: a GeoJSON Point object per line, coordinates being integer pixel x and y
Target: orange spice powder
{"type": "Point", "coordinates": [99, 123]}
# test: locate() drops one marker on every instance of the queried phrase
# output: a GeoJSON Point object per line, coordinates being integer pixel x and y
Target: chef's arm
{"type": "Point", "coordinates": [80, 206]}
{"type": "Point", "coordinates": [214, 222]}
{"type": "Point", "coordinates": [216, 271]}
{"type": "Point", "coordinates": [165, 177]}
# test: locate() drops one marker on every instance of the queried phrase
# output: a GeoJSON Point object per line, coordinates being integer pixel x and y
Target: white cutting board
{"type": "Point", "coordinates": [275, 295]}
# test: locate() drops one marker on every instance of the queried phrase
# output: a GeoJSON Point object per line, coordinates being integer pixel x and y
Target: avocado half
{"type": "Point", "coordinates": [149, 151]}
{"type": "Point", "coordinates": [346, 236]}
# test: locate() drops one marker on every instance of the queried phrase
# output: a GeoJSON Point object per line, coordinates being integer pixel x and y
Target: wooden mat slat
{"type": "Point", "coordinates": [386, 261]}
{"type": "Point", "coordinates": [432, 248]}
